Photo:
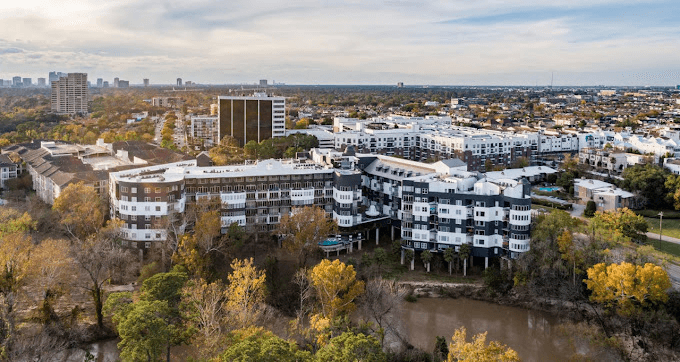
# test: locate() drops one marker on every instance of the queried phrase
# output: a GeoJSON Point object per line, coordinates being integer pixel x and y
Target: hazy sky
{"type": "Point", "coordinates": [456, 42]}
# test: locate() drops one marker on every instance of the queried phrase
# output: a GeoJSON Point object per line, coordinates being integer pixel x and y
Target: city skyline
{"type": "Point", "coordinates": [598, 42]}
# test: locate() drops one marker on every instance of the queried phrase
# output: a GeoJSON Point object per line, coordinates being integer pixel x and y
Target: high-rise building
{"type": "Point", "coordinates": [263, 82]}
{"type": "Point", "coordinates": [146, 82]}
{"type": "Point", "coordinates": [115, 82]}
{"type": "Point", "coordinates": [2, 82]}
{"type": "Point", "coordinates": [254, 118]}
{"type": "Point", "coordinates": [400, 85]}
{"type": "Point", "coordinates": [54, 76]}
{"type": "Point", "coordinates": [105, 84]}
{"type": "Point", "coordinates": [123, 83]}
{"type": "Point", "coordinates": [100, 83]}
{"type": "Point", "coordinates": [70, 94]}
{"type": "Point", "coordinates": [16, 81]}
{"type": "Point", "coordinates": [27, 82]}
{"type": "Point", "coordinates": [42, 82]}
{"type": "Point", "coordinates": [179, 82]}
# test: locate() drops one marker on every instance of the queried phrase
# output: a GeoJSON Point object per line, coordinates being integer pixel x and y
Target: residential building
{"type": "Point", "coordinates": [70, 94]}
{"type": "Point", "coordinates": [16, 81]}
{"type": "Point", "coordinates": [100, 83]}
{"type": "Point", "coordinates": [251, 118]}
{"type": "Point", "coordinates": [42, 82]}
{"type": "Point", "coordinates": [55, 165]}
{"type": "Point", "coordinates": [123, 84]}
{"type": "Point", "coordinates": [205, 131]}
{"type": "Point", "coordinates": [179, 82]}
{"type": "Point", "coordinates": [606, 196]}
{"type": "Point", "coordinates": [324, 135]}
{"type": "Point", "coordinates": [8, 170]}
{"type": "Point", "coordinates": [165, 101]}
{"type": "Point", "coordinates": [116, 82]}
{"type": "Point", "coordinates": [26, 82]}
{"type": "Point", "coordinates": [146, 82]}
{"type": "Point", "coordinates": [105, 84]}
{"type": "Point", "coordinates": [263, 82]}
{"type": "Point", "coordinates": [432, 206]}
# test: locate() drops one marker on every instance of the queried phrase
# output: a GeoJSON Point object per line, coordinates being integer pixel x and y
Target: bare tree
{"type": "Point", "coordinates": [100, 258]}
{"type": "Point", "coordinates": [382, 302]}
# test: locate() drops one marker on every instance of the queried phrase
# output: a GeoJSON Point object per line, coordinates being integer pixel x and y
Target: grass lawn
{"type": "Point", "coordinates": [671, 227]}
{"type": "Point", "coordinates": [666, 247]}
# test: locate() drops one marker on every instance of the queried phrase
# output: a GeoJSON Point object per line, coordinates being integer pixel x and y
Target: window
{"type": "Point", "coordinates": [157, 190]}
{"type": "Point", "coordinates": [134, 208]}
{"type": "Point", "coordinates": [123, 189]}
{"type": "Point", "coordinates": [158, 208]}
{"type": "Point", "coordinates": [158, 199]}
{"type": "Point", "coordinates": [147, 190]}
{"type": "Point", "coordinates": [134, 190]}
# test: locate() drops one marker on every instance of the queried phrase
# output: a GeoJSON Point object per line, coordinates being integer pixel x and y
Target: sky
{"type": "Point", "coordinates": [455, 42]}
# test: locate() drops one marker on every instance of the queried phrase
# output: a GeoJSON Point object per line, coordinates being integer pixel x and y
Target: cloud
{"type": "Point", "coordinates": [10, 51]}
{"type": "Point", "coordinates": [364, 42]}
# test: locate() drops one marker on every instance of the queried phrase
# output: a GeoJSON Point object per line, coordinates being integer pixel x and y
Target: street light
{"type": "Point", "coordinates": [660, 227]}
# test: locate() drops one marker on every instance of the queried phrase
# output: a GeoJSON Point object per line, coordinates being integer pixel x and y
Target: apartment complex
{"type": "Point", "coordinates": [251, 118]}
{"type": "Point", "coordinates": [435, 206]}
{"type": "Point", "coordinates": [55, 165]}
{"type": "Point", "coordinates": [70, 94]}
{"type": "Point", "coordinates": [8, 170]}
{"type": "Point", "coordinates": [205, 131]}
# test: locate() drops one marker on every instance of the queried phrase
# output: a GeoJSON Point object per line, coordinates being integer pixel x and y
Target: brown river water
{"type": "Point", "coordinates": [533, 334]}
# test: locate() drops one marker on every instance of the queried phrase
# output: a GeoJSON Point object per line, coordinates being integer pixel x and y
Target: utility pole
{"type": "Point", "coordinates": [660, 227]}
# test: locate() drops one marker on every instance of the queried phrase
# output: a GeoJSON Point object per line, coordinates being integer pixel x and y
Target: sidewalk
{"type": "Point", "coordinates": [654, 236]}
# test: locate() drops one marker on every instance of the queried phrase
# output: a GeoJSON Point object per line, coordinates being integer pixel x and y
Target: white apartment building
{"type": "Point", "coordinates": [205, 131]}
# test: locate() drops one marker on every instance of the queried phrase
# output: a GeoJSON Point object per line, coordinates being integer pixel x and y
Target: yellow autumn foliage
{"type": "Point", "coordinates": [624, 283]}
{"type": "Point", "coordinates": [478, 351]}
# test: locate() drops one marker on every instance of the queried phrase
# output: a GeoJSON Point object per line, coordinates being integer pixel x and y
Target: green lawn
{"type": "Point", "coordinates": [671, 227]}
{"type": "Point", "coordinates": [666, 247]}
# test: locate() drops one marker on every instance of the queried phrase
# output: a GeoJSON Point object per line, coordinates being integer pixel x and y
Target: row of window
{"type": "Point", "coordinates": [147, 190]}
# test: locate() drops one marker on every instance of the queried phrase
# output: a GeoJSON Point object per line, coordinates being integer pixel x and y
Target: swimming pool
{"type": "Point", "coordinates": [550, 189]}
{"type": "Point", "coordinates": [329, 242]}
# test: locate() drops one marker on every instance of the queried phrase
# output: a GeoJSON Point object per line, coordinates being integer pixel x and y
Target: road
{"type": "Point", "coordinates": [672, 268]}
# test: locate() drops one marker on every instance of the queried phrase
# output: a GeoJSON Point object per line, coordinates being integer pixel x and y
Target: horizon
{"type": "Point", "coordinates": [527, 43]}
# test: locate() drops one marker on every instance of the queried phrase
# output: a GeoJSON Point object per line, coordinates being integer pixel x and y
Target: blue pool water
{"type": "Point", "coordinates": [329, 242]}
{"type": "Point", "coordinates": [549, 189]}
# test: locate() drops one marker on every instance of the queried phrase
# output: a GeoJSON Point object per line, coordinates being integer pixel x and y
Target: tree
{"type": "Point", "coordinates": [381, 302]}
{"type": "Point", "coordinates": [351, 347]}
{"type": "Point", "coordinates": [100, 257]}
{"type": "Point", "coordinates": [336, 287]}
{"type": "Point", "coordinates": [426, 256]}
{"type": "Point", "coordinates": [570, 252]}
{"type": "Point", "coordinates": [591, 208]}
{"type": "Point", "coordinates": [409, 255]}
{"type": "Point", "coordinates": [464, 253]}
{"type": "Point", "coordinates": [15, 249]}
{"type": "Point", "coordinates": [379, 257]}
{"type": "Point", "coordinates": [206, 307]}
{"type": "Point", "coordinates": [81, 210]}
{"type": "Point", "coordinates": [258, 344]}
{"type": "Point", "coordinates": [621, 225]}
{"type": "Point", "coordinates": [246, 292]}
{"type": "Point", "coordinates": [144, 332]}
{"type": "Point", "coordinates": [449, 255]}
{"type": "Point", "coordinates": [477, 350]}
{"type": "Point", "coordinates": [304, 229]}
{"type": "Point", "coordinates": [623, 284]}
{"type": "Point", "coordinates": [52, 268]}
{"type": "Point", "coordinates": [649, 182]}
